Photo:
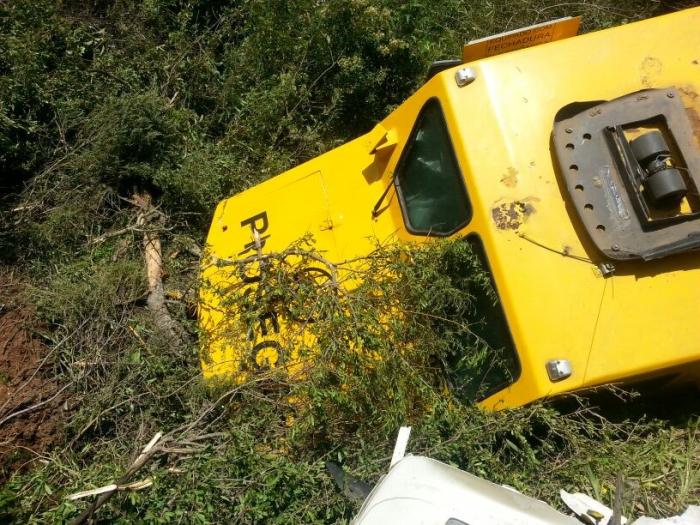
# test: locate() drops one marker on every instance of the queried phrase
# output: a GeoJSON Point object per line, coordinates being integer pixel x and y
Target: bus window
{"type": "Point", "coordinates": [487, 360]}
{"type": "Point", "coordinates": [431, 190]}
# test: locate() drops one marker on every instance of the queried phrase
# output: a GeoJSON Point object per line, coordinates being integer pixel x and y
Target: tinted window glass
{"type": "Point", "coordinates": [491, 363]}
{"type": "Point", "coordinates": [430, 185]}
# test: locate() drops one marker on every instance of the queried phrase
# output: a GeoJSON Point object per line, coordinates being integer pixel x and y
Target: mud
{"type": "Point", "coordinates": [510, 177]}
{"type": "Point", "coordinates": [24, 383]}
{"type": "Point", "coordinates": [689, 97]}
{"type": "Point", "coordinates": [650, 69]}
{"type": "Point", "coordinates": [694, 122]}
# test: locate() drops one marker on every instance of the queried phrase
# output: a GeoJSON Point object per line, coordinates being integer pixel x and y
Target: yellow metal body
{"type": "Point", "coordinates": [640, 322]}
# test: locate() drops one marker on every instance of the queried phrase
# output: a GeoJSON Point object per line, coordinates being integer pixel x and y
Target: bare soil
{"type": "Point", "coordinates": [30, 420]}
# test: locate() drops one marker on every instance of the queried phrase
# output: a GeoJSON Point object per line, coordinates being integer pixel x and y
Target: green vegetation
{"type": "Point", "coordinates": [190, 101]}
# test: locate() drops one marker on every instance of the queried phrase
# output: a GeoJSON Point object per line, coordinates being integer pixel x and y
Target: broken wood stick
{"type": "Point", "coordinates": [153, 256]}
{"type": "Point", "coordinates": [108, 491]}
{"type": "Point", "coordinates": [136, 485]}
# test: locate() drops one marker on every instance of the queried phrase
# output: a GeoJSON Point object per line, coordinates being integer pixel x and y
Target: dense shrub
{"type": "Point", "coordinates": [196, 100]}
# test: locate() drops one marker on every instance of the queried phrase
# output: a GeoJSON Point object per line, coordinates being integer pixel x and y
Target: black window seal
{"type": "Point", "coordinates": [402, 161]}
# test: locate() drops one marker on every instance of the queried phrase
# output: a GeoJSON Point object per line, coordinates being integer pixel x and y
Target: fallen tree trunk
{"type": "Point", "coordinates": [153, 256]}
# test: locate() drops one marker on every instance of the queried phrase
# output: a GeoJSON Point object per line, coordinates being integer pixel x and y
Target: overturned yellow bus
{"type": "Point", "coordinates": [574, 166]}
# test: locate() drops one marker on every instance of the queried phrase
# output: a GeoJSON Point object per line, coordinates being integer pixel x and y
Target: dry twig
{"type": "Point", "coordinates": [174, 442]}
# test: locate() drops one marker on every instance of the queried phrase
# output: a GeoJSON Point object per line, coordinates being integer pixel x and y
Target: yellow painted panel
{"type": "Point", "coordinates": [233, 345]}
{"type": "Point", "coordinates": [640, 321]}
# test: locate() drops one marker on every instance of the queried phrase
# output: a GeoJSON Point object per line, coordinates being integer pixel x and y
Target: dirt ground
{"type": "Point", "coordinates": [31, 405]}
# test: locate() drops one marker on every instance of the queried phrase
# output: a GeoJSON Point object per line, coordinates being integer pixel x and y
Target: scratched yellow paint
{"type": "Point", "coordinates": [641, 322]}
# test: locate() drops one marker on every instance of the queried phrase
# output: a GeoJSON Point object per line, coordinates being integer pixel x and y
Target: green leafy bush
{"type": "Point", "coordinates": [263, 460]}
{"type": "Point", "coordinates": [197, 100]}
